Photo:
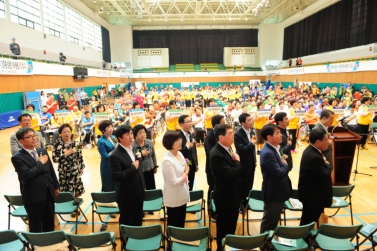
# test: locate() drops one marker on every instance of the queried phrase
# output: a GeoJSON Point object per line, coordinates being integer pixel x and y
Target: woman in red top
{"type": "Point", "coordinates": [71, 102]}
{"type": "Point", "coordinates": [52, 104]}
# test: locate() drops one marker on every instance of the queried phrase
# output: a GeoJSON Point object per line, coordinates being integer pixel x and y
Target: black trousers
{"type": "Point", "coordinates": [211, 184]}
{"type": "Point", "coordinates": [191, 177]}
{"type": "Point", "coordinates": [271, 215]}
{"type": "Point", "coordinates": [149, 180]}
{"type": "Point", "coordinates": [177, 216]}
{"type": "Point", "coordinates": [131, 210]}
{"type": "Point", "coordinates": [41, 215]}
{"type": "Point", "coordinates": [248, 182]}
{"type": "Point", "coordinates": [363, 130]}
{"type": "Point", "coordinates": [226, 222]}
{"type": "Point", "coordinates": [293, 132]}
{"type": "Point", "coordinates": [310, 214]}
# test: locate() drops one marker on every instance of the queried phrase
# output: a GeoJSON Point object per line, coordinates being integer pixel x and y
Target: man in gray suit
{"type": "Point", "coordinates": [325, 121]}
{"type": "Point", "coordinates": [25, 121]}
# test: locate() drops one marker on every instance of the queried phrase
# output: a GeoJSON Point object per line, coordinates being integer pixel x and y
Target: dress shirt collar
{"type": "Point", "coordinates": [247, 132]}
{"type": "Point", "coordinates": [129, 151]}
{"type": "Point", "coordinates": [226, 148]}
{"type": "Point", "coordinates": [276, 148]}
{"type": "Point", "coordinates": [317, 149]}
{"type": "Point", "coordinates": [325, 127]}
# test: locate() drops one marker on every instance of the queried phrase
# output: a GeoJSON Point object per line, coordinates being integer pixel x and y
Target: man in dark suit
{"type": "Point", "coordinates": [325, 121]}
{"type": "Point", "coordinates": [40, 185]}
{"type": "Point", "coordinates": [281, 119]}
{"type": "Point", "coordinates": [245, 147]}
{"type": "Point", "coordinates": [226, 169]}
{"type": "Point", "coordinates": [276, 186]}
{"type": "Point", "coordinates": [128, 178]}
{"type": "Point", "coordinates": [209, 143]}
{"type": "Point", "coordinates": [314, 184]}
{"type": "Point", "coordinates": [188, 147]}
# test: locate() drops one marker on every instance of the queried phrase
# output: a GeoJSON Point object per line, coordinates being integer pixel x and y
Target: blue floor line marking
{"type": "Point", "coordinates": [82, 216]}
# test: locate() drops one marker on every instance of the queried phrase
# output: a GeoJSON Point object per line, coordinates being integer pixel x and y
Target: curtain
{"type": "Point", "coordinates": [195, 46]}
{"type": "Point", "coordinates": [106, 52]}
{"type": "Point", "coordinates": [346, 24]}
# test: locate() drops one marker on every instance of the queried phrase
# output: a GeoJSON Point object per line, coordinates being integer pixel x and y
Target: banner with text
{"type": "Point", "coordinates": [137, 116]}
{"type": "Point", "coordinates": [15, 67]}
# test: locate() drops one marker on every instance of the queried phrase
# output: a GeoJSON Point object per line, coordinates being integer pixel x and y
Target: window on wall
{"type": "Point", "coordinates": [25, 12]}
{"type": "Point", "coordinates": [73, 24]}
{"type": "Point", "coordinates": [98, 35]}
{"type": "Point", "coordinates": [2, 9]}
{"type": "Point", "coordinates": [88, 33]}
{"type": "Point", "coordinates": [53, 18]}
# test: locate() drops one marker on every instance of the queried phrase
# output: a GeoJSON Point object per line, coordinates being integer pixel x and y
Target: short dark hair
{"type": "Point", "coordinates": [64, 126]}
{"type": "Point", "coordinates": [123, 129]}
{"type": "Point", "coordinates": [316, 134]}
{"type": "Point", "coordinates": [24, 115]}
{"type": "Point", "coordinates": [22, 131]}
{"type": "Point", "coordinates": [31, 105]}
{"type": "Point", "coordinates": [104, 124]}
{"type": "Point", "coordinates": [172, 102]}
{"type": "Point", "coordinates": [64, 107]}
{"type": "Point", "coordinates": [280, 117]}
{"type": "Point", "coordinates": [292, 102]}
{"type": "Point", "coordinates": [326, 114]}
{"type": "Point", "coordinates": [86, 112]}
{"type": "Point", "coordinates": [181, 119]}
{"type": "Point", "coordinates": [259, 104]}
{"type": "Point", "coordinates": [268, 130]}
{"type": "Point", "coordinates": [352, 106]}
{"type": "Point", "coordinates": [216, 120]}
{"type": "Point", "coordinates": [242, 118]}
{"type": "Point", "coordinates": [169, 138]}
{"type": "Point", "coordinates": [135, 104]}
{"type": "Point", "coordinates": [99, 106]}
{"type": "Point", "coordinates": [137, 128]}
{"type": "Point", "coordinates": [220, 129]}
{"type": "Point", "coordinates": [365, 99]}
{"type": "Point", "coordinates": [45, 106]}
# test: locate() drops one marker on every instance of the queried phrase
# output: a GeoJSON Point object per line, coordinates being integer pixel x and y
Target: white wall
{"type": "Point", "coordinates": [146, 61]}
{"type": "Point", "coordinates": [271, 38]}
{"type": "Point", "coordinates": [121, 43]}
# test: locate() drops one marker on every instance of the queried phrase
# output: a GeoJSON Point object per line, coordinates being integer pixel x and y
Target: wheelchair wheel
{"type": "Point", "coordinates": [303, 132]}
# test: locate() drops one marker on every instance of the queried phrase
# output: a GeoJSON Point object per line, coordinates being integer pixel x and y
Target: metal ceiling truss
{"type": "Point", "coordinates": [195, 12]}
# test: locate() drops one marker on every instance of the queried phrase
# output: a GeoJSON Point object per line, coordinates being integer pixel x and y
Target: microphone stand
{"type": "Point", "coordinates": [357, 161]}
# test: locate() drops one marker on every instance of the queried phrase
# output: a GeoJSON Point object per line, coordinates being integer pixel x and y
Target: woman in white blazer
{"type": "Point", "coordinates": [175, 171]}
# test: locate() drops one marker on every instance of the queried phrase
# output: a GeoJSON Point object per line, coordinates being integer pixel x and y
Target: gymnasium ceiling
{"type": "Point", "coordinates": [167, 13]}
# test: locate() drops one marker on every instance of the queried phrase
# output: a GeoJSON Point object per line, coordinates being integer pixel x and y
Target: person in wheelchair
{"type": "Point", "coordinates": [311, 117]}
{"type": "Point", "coordinates": [351, 121]}
{"type": "Point", "coordinates": [87, 124]}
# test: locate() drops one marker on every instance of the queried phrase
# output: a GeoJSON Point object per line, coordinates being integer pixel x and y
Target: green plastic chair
{"type": "Point", "coordinates": [369, 236]}
{"type": "Point", "coordinates": [105, 197]}
{"type": "Point", "coordinates": [144, 238]}
{"type": "Point", "coordinates": [255, 204]}
{"type": "Point", "coordinates": [10, 240]}
{"type": "Point", "coordinates": [153, 203]}
{"type": "Point", "coordinates": [296, 233]}
{"type": "Point", "coordinates": [188, 235]}
{"type": "Point", "coordinates": [91, 240]}
{"type": "Point", "coordinates": [15, 207]}
{"type": "Point", "coordinates": [342, 193]}
{"type": "Point", "coordinates": [200, 207]}
{"type": "Point", "coordinates": [245, 242]}
{"type": "Point", "coordinates": [46, 238]}
{"type": "Point", "coordinates": [288, 205]}
{"type": "Point", "coordinates": [337, 238]}
{"type": "Point", "coordinates": [65, 203]}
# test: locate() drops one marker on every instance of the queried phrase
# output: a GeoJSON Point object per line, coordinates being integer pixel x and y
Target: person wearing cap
{"type": "Point", "coordinates": [14, 48]}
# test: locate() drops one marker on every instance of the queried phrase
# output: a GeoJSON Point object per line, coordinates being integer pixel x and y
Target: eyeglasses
{"type": "Point", "coordinates": [30, 137]}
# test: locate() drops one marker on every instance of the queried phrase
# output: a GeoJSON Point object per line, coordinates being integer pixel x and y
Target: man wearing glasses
{"type": "Point", "coordinates": [40, 185]}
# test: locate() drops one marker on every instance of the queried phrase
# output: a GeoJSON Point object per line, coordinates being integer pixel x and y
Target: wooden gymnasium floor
{"type": "Point", "coordinates": [363, 199]}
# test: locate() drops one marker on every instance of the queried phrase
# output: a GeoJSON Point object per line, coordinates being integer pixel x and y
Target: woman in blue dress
{"type": "Point", "coordinates": [106, 144]}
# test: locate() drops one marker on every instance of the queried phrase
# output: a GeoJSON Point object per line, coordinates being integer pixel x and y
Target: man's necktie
{"type": "Point", "coordinates": [35, 155]}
